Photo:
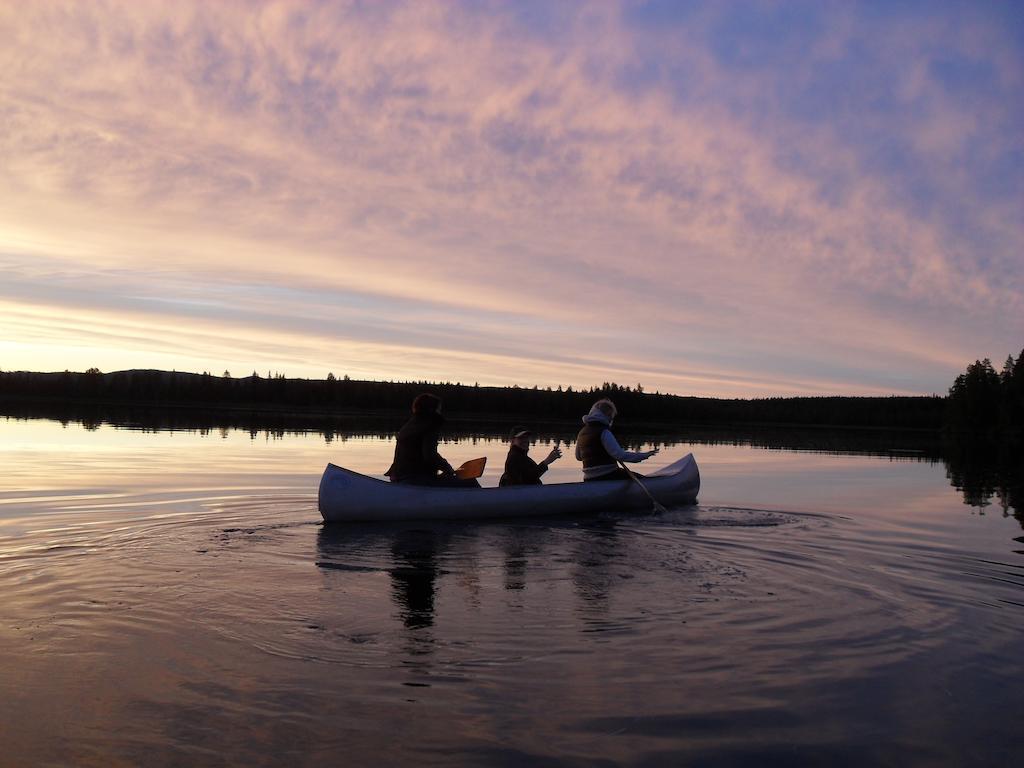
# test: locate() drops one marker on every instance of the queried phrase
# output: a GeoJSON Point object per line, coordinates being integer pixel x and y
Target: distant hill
{"type": "Point", "coordinates": [332, 396]}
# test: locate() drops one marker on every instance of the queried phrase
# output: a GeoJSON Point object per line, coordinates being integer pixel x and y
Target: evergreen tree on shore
{"type": "Point", "coordinates": [982, 401]}
{"type": "Point", "coordinates": [1012, 379]}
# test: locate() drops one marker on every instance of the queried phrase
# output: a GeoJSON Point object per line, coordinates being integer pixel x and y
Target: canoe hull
{"type": "Point", "coordinates": [347, 496]}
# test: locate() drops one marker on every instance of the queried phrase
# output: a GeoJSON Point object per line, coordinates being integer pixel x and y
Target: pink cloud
{"type": "Point", "coordinates": [419, 154]}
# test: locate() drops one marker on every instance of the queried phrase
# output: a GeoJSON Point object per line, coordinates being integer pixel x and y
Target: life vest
{"type": "Point", "coordinates": [589, 448]}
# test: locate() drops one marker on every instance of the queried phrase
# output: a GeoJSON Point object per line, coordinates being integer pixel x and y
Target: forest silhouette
{"type": "Point", "coordinates": [331, 397]}
{"type": "Point", "coordinates": [983, 442]}
{"type": "Point", "coordinates": [982, 401]}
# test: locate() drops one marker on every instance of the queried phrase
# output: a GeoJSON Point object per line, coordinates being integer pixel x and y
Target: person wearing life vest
{"type": "Point", "coordinates": [598, 449]}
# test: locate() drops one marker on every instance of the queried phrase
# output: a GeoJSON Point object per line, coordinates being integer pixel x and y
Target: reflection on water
{"type": "Point", "coordinates": [341, 427]}
{"type": "Point", "coordinates": [987, 470]}
{"type": "Point", "coordinates": [173, 599]}
{"type": "Point", "coordinates": [669, 635]}
{"type": "Point", "coordinates": [595, 570]}
{"type": "Point", "coordinates": [519, 547]}
{"type": "Point", "coordinates": [414, 575]}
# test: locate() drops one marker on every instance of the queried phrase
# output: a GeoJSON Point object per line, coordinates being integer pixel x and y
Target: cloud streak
{"type": "Point", "coordinates": [477, 193]}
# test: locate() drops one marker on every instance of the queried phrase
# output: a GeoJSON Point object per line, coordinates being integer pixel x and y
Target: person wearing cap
{"type": "Point", "coordinates": [417, 461]}
{"type": "Point", "coordinates": [598, 449]}
{"type": "Point", "coordinates": [520, 469]}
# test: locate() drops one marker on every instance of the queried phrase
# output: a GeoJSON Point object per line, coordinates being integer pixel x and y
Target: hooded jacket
{"type": "Point", "coordinates": [598, 449]}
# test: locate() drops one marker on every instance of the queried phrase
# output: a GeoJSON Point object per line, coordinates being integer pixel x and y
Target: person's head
{"type": "Point", "coordinates": [426, 403]}
{"type": "Point", "coordinates": [605, 407]}
{"type": "Point", "coordinates": [520, 436]}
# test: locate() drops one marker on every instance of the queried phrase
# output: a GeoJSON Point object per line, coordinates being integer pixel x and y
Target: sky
{"type": "Point", "coordinates": [727, 199]}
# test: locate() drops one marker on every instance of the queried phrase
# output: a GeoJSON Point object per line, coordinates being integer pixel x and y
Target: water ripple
{"type": "Point", "coordinates": [245, 608]}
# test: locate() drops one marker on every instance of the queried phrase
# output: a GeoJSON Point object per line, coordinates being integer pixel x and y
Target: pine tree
{"type": "Point", "coordinates": [974, 399]}
{"type": "Point", "coordinates": [1013, 395]}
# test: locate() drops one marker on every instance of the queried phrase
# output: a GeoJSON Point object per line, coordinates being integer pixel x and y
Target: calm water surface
{"type": "Point", "coordinates": [172, 598]}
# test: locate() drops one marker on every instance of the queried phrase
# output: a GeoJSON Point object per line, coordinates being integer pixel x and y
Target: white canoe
{"type": "Point", "coordinates": [347, 496]}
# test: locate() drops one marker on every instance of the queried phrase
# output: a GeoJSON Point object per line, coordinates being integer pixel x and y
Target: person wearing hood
{"type": "Point", "coordinates": [520, 469]}
{"type": "Point", "coordinates": [598, 449]}
{"type": "Point", "coordinates": [417, 461]}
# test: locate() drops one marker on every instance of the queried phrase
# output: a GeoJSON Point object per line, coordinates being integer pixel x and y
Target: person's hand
{"type": "Point", "coordinates": [653, 452]}
{"type": "Point", "coordinates": [556, 453]}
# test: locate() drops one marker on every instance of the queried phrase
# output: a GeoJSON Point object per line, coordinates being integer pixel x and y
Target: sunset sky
{"type": "Point", "coordinates": [735, 199]}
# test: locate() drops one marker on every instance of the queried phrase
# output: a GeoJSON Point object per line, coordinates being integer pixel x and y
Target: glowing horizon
{"type": "Point", "coordinates": [804, 199]}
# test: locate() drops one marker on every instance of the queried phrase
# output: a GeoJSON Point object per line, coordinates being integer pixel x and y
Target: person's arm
{"type": "Point", "coordinates": [555, 454]}
{"type": "Point", "coordinates": [617, 452]}
{"type": "Point", "coordinates": [537, 469]}
{"type": "Point", "coordinates": [432, 458]}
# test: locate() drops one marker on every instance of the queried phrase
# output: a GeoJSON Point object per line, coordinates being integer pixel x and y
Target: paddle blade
{"type": "Point", "coordinates": [471, 469]}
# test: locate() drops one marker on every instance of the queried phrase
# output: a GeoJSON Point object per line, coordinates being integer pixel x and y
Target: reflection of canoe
{"type": "Point", "coordinates": [348, 496]}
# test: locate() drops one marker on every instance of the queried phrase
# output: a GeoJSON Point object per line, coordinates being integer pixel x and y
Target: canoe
{"type": "Point", "coordinates": [347, 496]}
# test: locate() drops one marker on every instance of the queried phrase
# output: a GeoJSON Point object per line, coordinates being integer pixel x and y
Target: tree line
{"type": "Point", "coordinates": [982, 401]}
{"type": "Point", "coordinates": [333, 395]}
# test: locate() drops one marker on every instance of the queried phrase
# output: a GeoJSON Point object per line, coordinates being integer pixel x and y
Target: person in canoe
{"type": "Point", "coordinates": [598, 449]}
{"type": "Point", "coordinates": [417, 461]}
{"type": "Point", "coordinates": [520, 469]}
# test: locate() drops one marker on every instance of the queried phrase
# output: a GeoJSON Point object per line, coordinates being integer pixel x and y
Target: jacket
{"type": "Point", "coordinates": [520, 469]}
{"type": "Point", "coordinates": [416, 457]}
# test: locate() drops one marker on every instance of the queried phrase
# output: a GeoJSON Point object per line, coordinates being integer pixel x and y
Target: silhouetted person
{"type": "Point", "coordinates": [520, 469]}
{"type": "Point", "coordinates": [417, 461]}
{"type": "Point", "coordinates": [598, 449]}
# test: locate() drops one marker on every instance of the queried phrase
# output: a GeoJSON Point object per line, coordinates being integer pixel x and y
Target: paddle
{"type": "Point", "coordinates": [471, 469]}
{"type": "Point", "coordinates": [657, 506]}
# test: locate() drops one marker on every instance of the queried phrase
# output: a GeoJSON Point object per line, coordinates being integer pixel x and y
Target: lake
{"type": "Point", "coordinates": [171, 597]}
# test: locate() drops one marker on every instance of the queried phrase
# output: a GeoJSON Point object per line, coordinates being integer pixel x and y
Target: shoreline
{"type": "Point", "coordinates": [9, 407]}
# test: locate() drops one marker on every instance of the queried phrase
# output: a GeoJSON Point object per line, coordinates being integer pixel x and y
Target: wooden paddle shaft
{"type": "Point", "coordinates": [657, 505]}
